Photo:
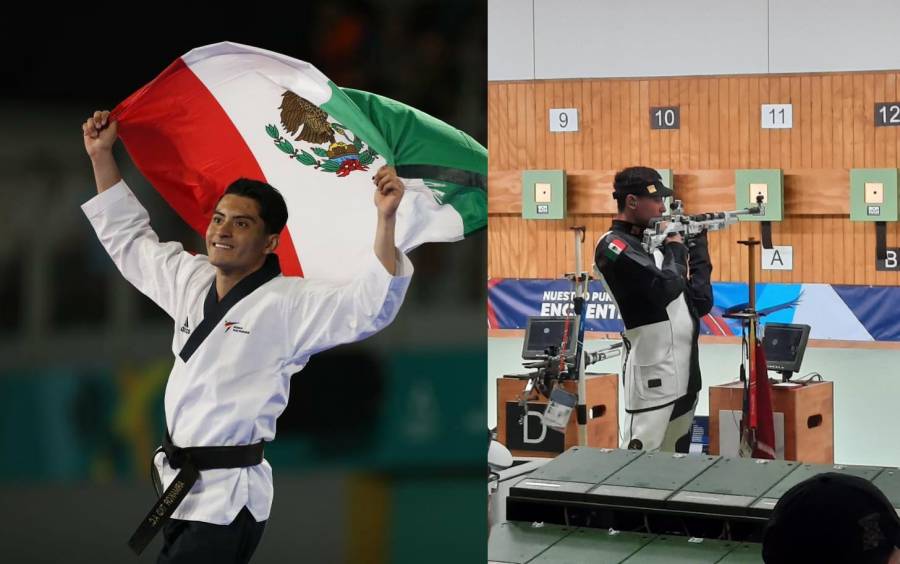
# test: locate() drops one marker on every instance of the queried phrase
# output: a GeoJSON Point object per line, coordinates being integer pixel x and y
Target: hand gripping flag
{"type": "Point", "coordinates": [226, 111]}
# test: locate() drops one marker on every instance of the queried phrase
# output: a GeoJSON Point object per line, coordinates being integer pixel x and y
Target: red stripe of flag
{"type": "Point", "coordinates": [184, 143]}
{"type": "Point", "coordinates": [764, 420]}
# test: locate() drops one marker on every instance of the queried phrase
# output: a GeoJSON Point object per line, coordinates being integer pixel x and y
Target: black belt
{"type": "Point", "coordinates": [191, 460]}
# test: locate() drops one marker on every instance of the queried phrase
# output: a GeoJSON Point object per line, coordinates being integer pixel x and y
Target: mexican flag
{"type": "Point", "coordinates": [614, 249]}
{"type": "Point", "coordinates": [226, 111]}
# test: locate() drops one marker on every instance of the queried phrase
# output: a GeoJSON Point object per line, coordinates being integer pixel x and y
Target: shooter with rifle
{"type": "Point", "coordinates": [656, 266]}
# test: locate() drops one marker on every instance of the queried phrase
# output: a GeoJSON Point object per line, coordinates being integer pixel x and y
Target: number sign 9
{"type": "Point", "coordinates": [563, 119]}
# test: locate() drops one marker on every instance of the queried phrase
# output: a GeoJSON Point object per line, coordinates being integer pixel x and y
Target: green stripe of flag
{"type": "Point", "coordinates": [450, 161]}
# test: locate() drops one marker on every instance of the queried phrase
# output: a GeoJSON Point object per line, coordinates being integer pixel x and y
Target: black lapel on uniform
{"type": "Point", "coordinates": [214, 310]}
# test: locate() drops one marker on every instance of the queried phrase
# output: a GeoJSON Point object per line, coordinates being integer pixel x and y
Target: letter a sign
{"type": "Point", "coordinates": [778, 258]}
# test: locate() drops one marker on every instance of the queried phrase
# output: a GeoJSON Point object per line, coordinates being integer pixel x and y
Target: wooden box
{"type": "Point", "coordinates": [808, 418]}
{"type": "Point", "coordinates": [602, 409]}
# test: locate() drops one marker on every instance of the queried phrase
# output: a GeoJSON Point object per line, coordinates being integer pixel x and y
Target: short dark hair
{"type": "Point", "coordinates": [272, 208]}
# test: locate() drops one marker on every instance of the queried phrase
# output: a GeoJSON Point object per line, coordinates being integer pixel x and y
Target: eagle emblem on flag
{"type": "Point", "coordinates": [308, 123]}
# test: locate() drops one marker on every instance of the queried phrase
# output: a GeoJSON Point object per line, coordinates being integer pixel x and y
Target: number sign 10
{"type": "Point", "coordinates": [668, 117]}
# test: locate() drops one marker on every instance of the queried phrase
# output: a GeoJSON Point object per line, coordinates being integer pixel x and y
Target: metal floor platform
{"type": "Point", "coordinates": [698, 493]}
{"type": "Point", "coordinates": [522, 543]}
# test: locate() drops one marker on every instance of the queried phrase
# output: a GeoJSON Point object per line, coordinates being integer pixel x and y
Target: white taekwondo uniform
{"type": "Point", "coordinates": [228, 386]}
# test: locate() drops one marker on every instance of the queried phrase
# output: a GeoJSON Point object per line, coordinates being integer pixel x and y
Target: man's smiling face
{"type": "Point", "coordinates": [236, 239]}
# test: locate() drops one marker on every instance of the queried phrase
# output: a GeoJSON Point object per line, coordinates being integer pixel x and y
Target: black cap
{"type": "Point", "coordinates": [832, 518]}
{"type": "Point", "coordinates": [640, 181]}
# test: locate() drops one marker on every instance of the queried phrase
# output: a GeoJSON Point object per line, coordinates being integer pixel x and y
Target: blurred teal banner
{"type": "Point", "coordinates": [100, 423]}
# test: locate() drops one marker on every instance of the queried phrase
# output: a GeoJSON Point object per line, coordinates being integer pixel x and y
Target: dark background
{"type": "Point", "coordinates": [379, 456]}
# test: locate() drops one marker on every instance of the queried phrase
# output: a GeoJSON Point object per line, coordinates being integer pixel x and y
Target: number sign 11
{"type": "Point", "coordinates": [777, 116]}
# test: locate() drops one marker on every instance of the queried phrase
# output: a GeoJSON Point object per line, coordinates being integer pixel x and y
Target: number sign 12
{"type": "Point", "coordinates": [887, 114]}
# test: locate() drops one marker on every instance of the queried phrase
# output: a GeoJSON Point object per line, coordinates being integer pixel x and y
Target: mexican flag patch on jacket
{"type": "Point", "coordinates": [614, 249]}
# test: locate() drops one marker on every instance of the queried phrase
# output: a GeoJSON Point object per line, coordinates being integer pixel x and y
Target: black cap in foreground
{"type": "Point", "coordinates": [832, 518]}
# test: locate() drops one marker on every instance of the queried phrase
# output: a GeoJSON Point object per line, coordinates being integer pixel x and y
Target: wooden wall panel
{"type": "Point", "coordinates": [833, 131]}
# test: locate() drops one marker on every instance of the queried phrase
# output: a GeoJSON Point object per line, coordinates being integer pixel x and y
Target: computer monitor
{"type": "Point", "coordinates": [543, 332]}
{"type": "Point", "coordinates": [784, 345]}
